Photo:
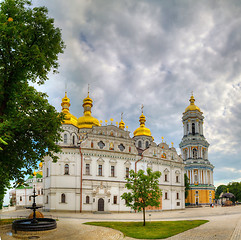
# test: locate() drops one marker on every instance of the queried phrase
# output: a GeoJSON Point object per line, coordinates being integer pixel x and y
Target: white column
{"type": "Point", "coordinates": [196, 127]}
{"type": "Point", "coordinates": [199, 176]}
{"type": "Point", "coordinates": [205, 176]}
{"type": "Point", "coordinates": [202, 176]}
{"type": "Point", "coordinates": [201, 128]}
{"type": "Point", "coordinates": [212, 177]}
{"type": "Point", "coordinates": [190, 127]}
{"type": "Point", "coordinates": [192, 176]}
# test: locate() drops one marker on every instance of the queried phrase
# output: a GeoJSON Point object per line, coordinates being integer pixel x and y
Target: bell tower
{"type": "Point", "coordinates": [194, 148]}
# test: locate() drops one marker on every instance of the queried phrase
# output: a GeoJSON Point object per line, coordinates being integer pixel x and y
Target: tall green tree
{"type": "Point", "coordinates": [144, 191]}
{"type": "Point", "coordinates": [235, 188]}
{"type": "Point", "coordinates": [29, 48]}
{"type": "Point", "coordinates": [187, 187]}
{"type": "Point", "coordinates": [219, 190]}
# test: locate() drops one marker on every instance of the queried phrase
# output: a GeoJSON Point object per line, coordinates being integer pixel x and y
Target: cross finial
{"type": "Point", "coordinates": [122, 116]}
{"type": "Point", "coordinates": [88, 89]}
{"type": "Point", "coordinates": [142, 106]}
{"type": "Point", "coordinates": [192, 93]}
{"type": "Point", "coordinates": [65, 87]}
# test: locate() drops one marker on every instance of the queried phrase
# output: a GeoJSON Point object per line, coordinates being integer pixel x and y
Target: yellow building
{"type": "Point", "coordinates": [194, 147]}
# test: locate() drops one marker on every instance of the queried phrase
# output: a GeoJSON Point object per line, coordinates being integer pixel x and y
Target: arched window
{"type": "Point", "coordinates": [139, 144]}
{"type": "Point", "coordinates": [73, 140]}
{"type": "Point", "coordinates": [185, 154]}
{"type": "Point", "coordinates": [65, 138]}
{"type": "Point", "coordinates": [194, 151]}
{"type": "Point", "coordinates": [66, 169]}
{"type": "Point", "coordinates": [177, 178]}
{"type": "Point", "coordinates": [63, 198]}
{"type": "Point", "coordinates": [166, 197]}
{"type": "Point", "coordinates": [87, 200]}
{"type": "Point", "coordinates": [193, 128]}
{"type": "Point", "coordinates": [47, 199]}
{"type": "Point", "coordinates": [204, 157]}
{"type": "Point", "coordinates": [147, 144]}
{"type": "Point", "coordinates": [47, 174]}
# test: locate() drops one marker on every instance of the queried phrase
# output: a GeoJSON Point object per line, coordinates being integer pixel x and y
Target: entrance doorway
{"type": "Point", "coordinates": [197, 202]}
{"type": "Point", "coordinates": [101, 204]}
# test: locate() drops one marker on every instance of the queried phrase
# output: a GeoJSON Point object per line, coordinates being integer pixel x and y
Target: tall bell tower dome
{"type": "Point", "coordinates": [194, 148]}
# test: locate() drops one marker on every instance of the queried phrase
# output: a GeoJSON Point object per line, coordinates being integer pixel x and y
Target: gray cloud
{"type": "Point", "coordinates": [155, 53]}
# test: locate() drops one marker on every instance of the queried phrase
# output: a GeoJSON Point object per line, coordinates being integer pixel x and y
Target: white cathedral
{"type": "Point", "coordinates": [96, 159]}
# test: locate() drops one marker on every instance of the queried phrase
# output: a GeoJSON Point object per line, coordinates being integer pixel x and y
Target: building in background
{"type": "Point", "coordinates": [194, 148]}
{"type": "Point", "coordinates": [95, 160]}
{"type": "Point", "coordinates": [22, 196]}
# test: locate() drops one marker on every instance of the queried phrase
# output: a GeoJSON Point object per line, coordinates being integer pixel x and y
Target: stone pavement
{"type": "Point", "coordinates": [224, 224]}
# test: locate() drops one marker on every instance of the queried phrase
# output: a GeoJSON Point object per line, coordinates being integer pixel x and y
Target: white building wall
{"type": "Point", "coordinates": [106, 186]}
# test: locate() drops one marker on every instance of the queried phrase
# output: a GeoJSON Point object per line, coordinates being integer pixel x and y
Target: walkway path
{"type": "Point", "coordinates": [224, 224]}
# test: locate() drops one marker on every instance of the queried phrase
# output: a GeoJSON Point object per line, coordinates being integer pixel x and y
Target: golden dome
{"type": "Point", "coordinates": [38, 215]}
{"type": "Point", "coordinates": [40, 165]}
{"type": "Point", "coordinates": [34, 173]}
{"type": "Point", "coordinates": [68, 118]}
{"type": "Point", "coordinates": [192, 106]}
{"type": "Point", "coordinates": [142, 130]}
{"type": "Point", "coordinates": [87, 121]}
{"type": "Point", "coordinates": [121, 123]}
{"type": "Point", "coordinates": [65, 104]}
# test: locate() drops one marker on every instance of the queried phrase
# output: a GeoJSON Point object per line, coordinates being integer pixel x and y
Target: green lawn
{"type": "Point", "coordinates": [152, 230]}
{"type": "Point", "coordinates": [8, 221]}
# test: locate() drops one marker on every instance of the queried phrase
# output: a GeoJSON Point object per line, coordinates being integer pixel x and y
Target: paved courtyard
{"type": "Point", "coordinates": [224, 224]}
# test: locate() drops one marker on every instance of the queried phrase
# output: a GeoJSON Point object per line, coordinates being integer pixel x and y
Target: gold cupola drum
{"type": "Point", "coordinates": [87, 121]}
{"type": "Point", "coordinates": [142, 130]}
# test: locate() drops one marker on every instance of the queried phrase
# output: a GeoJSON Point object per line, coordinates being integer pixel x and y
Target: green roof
{"type": "Point", "coordinates": [38, 175]}
{"type": "Point", "coordinates": [24, 187]}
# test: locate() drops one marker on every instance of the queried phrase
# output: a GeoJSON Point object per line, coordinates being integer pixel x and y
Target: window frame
{"type": "Point", "coordinates": [87, 169]}
{"type": "Point", "coordinates": [115, 199]}
{"type": "Point", "coordinates": [66, 169]}
{"type": "Point", "coordinates": [63, 198]}
{"type": "Point", "coordinates": [127, 172]}
{"type": "Point", "coordinates": [65, 138]}
{"type": "Point", "coordinates": [112, 171]}
{"type": "Point", "coordinates": [100, 170]}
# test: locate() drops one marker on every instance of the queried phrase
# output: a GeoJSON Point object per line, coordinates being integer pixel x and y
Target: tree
{"type": "Point", "coordinates": [187, 187]}
{"type": "Point", "coordinates": [235, 188]}
{"type": "Point", "coordinates": [144, 192]}
{"type": "Point", "coordinates": [219, 190]}
{"type": "Point", "coordinates": [29, 48]}
{"type": "Point", "coordinates": [2, 142]}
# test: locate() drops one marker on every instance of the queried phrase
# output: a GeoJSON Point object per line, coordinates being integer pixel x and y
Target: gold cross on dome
{"type": "Point", "coordinates": [192, 93]}
{"type": "Point", "coordinates": [142, 106]}
{"type": "Point", "coordinates": [122, 116]}
{"type": "Point", "coordinates": [88, 89]}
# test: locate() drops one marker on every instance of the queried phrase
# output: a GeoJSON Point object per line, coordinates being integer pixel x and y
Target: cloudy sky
{"type": "Point", "coordinates": [135, 52]}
